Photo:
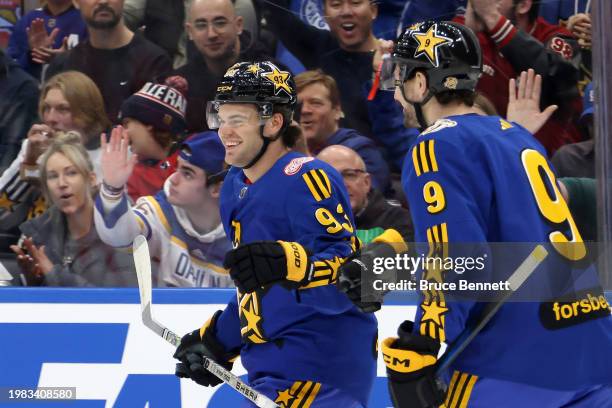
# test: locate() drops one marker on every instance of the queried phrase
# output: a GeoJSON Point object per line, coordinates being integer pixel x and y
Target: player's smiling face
{"type": "Point", "coordinates": [239, 132]}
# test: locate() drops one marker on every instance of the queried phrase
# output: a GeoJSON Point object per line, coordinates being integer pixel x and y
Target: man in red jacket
{"type": "Point", "coordinates": [513, 38]}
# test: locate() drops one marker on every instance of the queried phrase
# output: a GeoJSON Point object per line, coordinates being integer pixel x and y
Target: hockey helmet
{"type": "Point", "coordinates": [449, 53]}
{"type": "Point", "coordinates": [260, 83]}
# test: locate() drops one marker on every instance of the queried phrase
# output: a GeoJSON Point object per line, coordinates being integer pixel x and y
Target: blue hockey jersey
{"type": "Point", "coordinates": [476, 179]}
{"type": "Point", "coordinates": [314, 333]}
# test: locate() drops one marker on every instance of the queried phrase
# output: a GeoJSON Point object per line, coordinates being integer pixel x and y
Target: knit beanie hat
{"type": "Point", "coordinates": [158, 105]}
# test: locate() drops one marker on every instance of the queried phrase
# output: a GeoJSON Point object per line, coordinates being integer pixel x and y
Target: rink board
{"type": "Point", "coordinates": [93, 339]}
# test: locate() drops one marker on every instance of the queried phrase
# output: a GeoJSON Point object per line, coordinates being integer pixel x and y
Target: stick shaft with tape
{"type": "Point", "coordinates": [142, 260]}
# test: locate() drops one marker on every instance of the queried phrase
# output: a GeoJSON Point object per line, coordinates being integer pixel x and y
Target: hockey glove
{"type": "Point", "coordinates": [259, 264]}
{"type": "Point", "coordinates": [197, 345]}
{"type": "Point", "coordinates": [357, 274]}
{"type": "Point", "coordinates": [411, 369]}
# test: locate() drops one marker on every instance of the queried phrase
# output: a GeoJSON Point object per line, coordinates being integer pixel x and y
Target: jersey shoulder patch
{"type": "Point", "coordinates": [439, 125]}
{"type": "Point", "coordinates": [295, 165]}
{"type": "Point", "coordinates": [505, 125]}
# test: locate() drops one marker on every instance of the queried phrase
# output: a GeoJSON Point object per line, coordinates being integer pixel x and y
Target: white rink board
{"type": "Point", "coordinates": [144, 354]}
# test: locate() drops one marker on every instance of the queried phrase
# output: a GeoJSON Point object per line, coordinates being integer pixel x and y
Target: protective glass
{"type": "Point", "coordinates": [388, 78]}
{"type": "Point", "coordinates": [238, 120]}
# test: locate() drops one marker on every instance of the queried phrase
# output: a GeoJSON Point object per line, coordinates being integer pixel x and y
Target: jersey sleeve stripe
{"type": "Point", "coordinates": [432, 155]}
{"type": "Point", "coordinates": [320, 183]}
{"type": "Point", "coordinates": [325, 179]}
{"type": "Point", "coordinates": [467, 392]}
{"type": "Point", "coordinates": [458, 390]}
{"type": "Point", "coordinates": [313, 394]}
{"type": "Point", "coordinates": [451, 387]}
{"type": "Point", "coordinates": [423, 156]}
{"type": "Point", "coordinates": [312, 187]}
{"type": "Point", "coordinates": [415, 161]}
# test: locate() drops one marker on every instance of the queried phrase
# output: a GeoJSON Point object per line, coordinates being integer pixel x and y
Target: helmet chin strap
{"type": "Point", "coordinates": [262, 150]}
{"type": "Point", "coordinates": [264, 147]}
{"type": "Point", "coordinates": [418, 107]}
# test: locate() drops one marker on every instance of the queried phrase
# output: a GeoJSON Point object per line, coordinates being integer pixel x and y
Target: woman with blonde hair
{"type": "Point", "coordinates": [68, 101]}
{"type": "Point", "coordinates": [61, 247]}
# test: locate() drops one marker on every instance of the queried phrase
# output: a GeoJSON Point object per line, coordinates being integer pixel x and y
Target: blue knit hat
{"type": "Point", "coordinates": [205, 150]}
{"type": "Point", "coordinates": [157, 105]}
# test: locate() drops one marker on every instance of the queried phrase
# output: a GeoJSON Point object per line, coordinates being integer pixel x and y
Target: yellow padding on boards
{"type": "Point", "coordinates": [404, 361]}
{"type": "Point", "coordinates": [297, 260]}
{"type": "Point", "coordinates": [393, 238]}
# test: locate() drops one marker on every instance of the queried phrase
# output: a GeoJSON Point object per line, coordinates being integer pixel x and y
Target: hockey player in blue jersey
{"type": "Point", "coordinates": [479, 179]}
{"type": "Point", "coordinates": [303, 343]}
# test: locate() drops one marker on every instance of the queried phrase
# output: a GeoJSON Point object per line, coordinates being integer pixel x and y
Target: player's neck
{"type": "Point", "coordinates": [434, 111]}
{"type": "Point", "coordinates": [275, 151]}
{"type": "Point", "coordinates": [110, 39]}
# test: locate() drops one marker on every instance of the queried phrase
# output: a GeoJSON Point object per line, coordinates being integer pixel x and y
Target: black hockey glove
{"type": "Point", "coordinates": [411, 369]}
{"type": "Point", "coordinates": [259, 264]}
{"type": "Point", "coordinates": [194, 346]}
{"type": "Point", "coordinates": [358, 273]}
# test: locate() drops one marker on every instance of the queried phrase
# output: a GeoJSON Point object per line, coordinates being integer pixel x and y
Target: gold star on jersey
{"type": "Point", "coordinates": [429, 43]}
{"type": "Point", "coordinates": [279, 79]}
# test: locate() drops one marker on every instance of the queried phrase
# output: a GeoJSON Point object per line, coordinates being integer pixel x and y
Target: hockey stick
{"type": "Point", "coordinates": [516, 280]}
{"type": "Point", "coordinates": [142, 260]}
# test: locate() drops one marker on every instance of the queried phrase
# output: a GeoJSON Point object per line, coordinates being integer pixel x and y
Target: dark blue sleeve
{"type": "Point", "coordinates": [321, 219]}
{"type": "Point", "coordinates": [227, 329]}
{"type": "Point", "coordinates": [18, 47]}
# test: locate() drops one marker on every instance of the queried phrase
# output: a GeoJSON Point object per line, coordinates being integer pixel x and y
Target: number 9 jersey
{"type": "Point", "coordinates": [479, 179]}
{"type": "Point", "coordinates": [313, 333]}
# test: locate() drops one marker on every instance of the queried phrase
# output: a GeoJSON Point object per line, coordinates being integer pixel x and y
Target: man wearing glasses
{"type": "Point", "coordinates": [221, 41]}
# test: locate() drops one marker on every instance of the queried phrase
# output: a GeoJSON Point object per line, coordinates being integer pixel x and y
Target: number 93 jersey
{"type": "Point", "coordinates": [481, 179]}
{"type": "Point", "coordinates": [313, 333]}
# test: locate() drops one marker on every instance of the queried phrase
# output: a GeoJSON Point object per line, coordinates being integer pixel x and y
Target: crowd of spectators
{"type": "Point", "coordinates": [147, 68]}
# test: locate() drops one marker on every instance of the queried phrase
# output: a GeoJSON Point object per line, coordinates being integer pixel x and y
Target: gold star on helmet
{"type": "Point", "coordinates": [433, 312]}
{"type": "Point", "coordinates": [415, 26]}
{"type": "Point", "coordinates": [231, 71]}
{"type": "Point", "coordinates": [254, 69]}
{"type": "Point", "coordinates": [6, 203]}
{"type": "Point", "coordinates": [429, 43]}
{"type": "Point", "coordinates": [279, 79]}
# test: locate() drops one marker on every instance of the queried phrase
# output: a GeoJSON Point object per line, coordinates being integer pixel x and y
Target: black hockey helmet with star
{"type": "Point", "coordinates": [448, 52]}
{"type": "Point", "coordinates": [263, 84]}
